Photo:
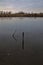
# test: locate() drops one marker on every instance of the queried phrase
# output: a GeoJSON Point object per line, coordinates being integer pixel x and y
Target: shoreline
{"type": "Point", "coordinates": [19, 16]}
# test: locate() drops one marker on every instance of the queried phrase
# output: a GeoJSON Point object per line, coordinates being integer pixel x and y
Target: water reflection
{"type": "Point", "coordinates": [23, 47]}
{"type": "Point", "coordinates": [22, 40]}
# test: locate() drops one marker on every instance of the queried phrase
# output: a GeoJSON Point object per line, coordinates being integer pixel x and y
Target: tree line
{"type": "Point", "coordinates": [20, 14]}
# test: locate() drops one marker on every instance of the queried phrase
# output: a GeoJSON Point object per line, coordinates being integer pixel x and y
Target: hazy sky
{"type": "Point", "coordinates": [22, 5]}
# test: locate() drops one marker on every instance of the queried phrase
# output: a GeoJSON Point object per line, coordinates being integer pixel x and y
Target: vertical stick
{"type": "Point", "coordinates": [22, 40]}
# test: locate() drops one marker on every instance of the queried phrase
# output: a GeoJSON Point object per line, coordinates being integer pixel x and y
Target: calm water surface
{"type": "Point", "coordinates": [11, 52]}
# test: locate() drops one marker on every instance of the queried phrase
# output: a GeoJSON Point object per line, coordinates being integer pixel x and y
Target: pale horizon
{"type": "Point", "coordinates": [22, 5]}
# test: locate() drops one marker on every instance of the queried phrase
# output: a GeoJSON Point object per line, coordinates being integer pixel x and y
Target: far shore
{"type": "Point", "coordinates": [20, 14]}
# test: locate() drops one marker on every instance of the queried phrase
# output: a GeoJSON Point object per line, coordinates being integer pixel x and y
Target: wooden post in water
{"type": "Point", "coordinates": [22, 40]}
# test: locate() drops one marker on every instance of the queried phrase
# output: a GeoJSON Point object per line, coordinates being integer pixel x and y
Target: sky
{"type": "Point", "coordinates": [21, 5]}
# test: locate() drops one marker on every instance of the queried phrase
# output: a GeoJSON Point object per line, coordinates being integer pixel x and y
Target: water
{"type": "Point", "coordinates": [11, 51]}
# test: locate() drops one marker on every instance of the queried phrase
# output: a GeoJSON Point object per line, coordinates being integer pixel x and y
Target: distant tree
{"type": "Point", "coordinates": [21, 12]}
{"type": "Point", "coordinates": [9, 12]}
